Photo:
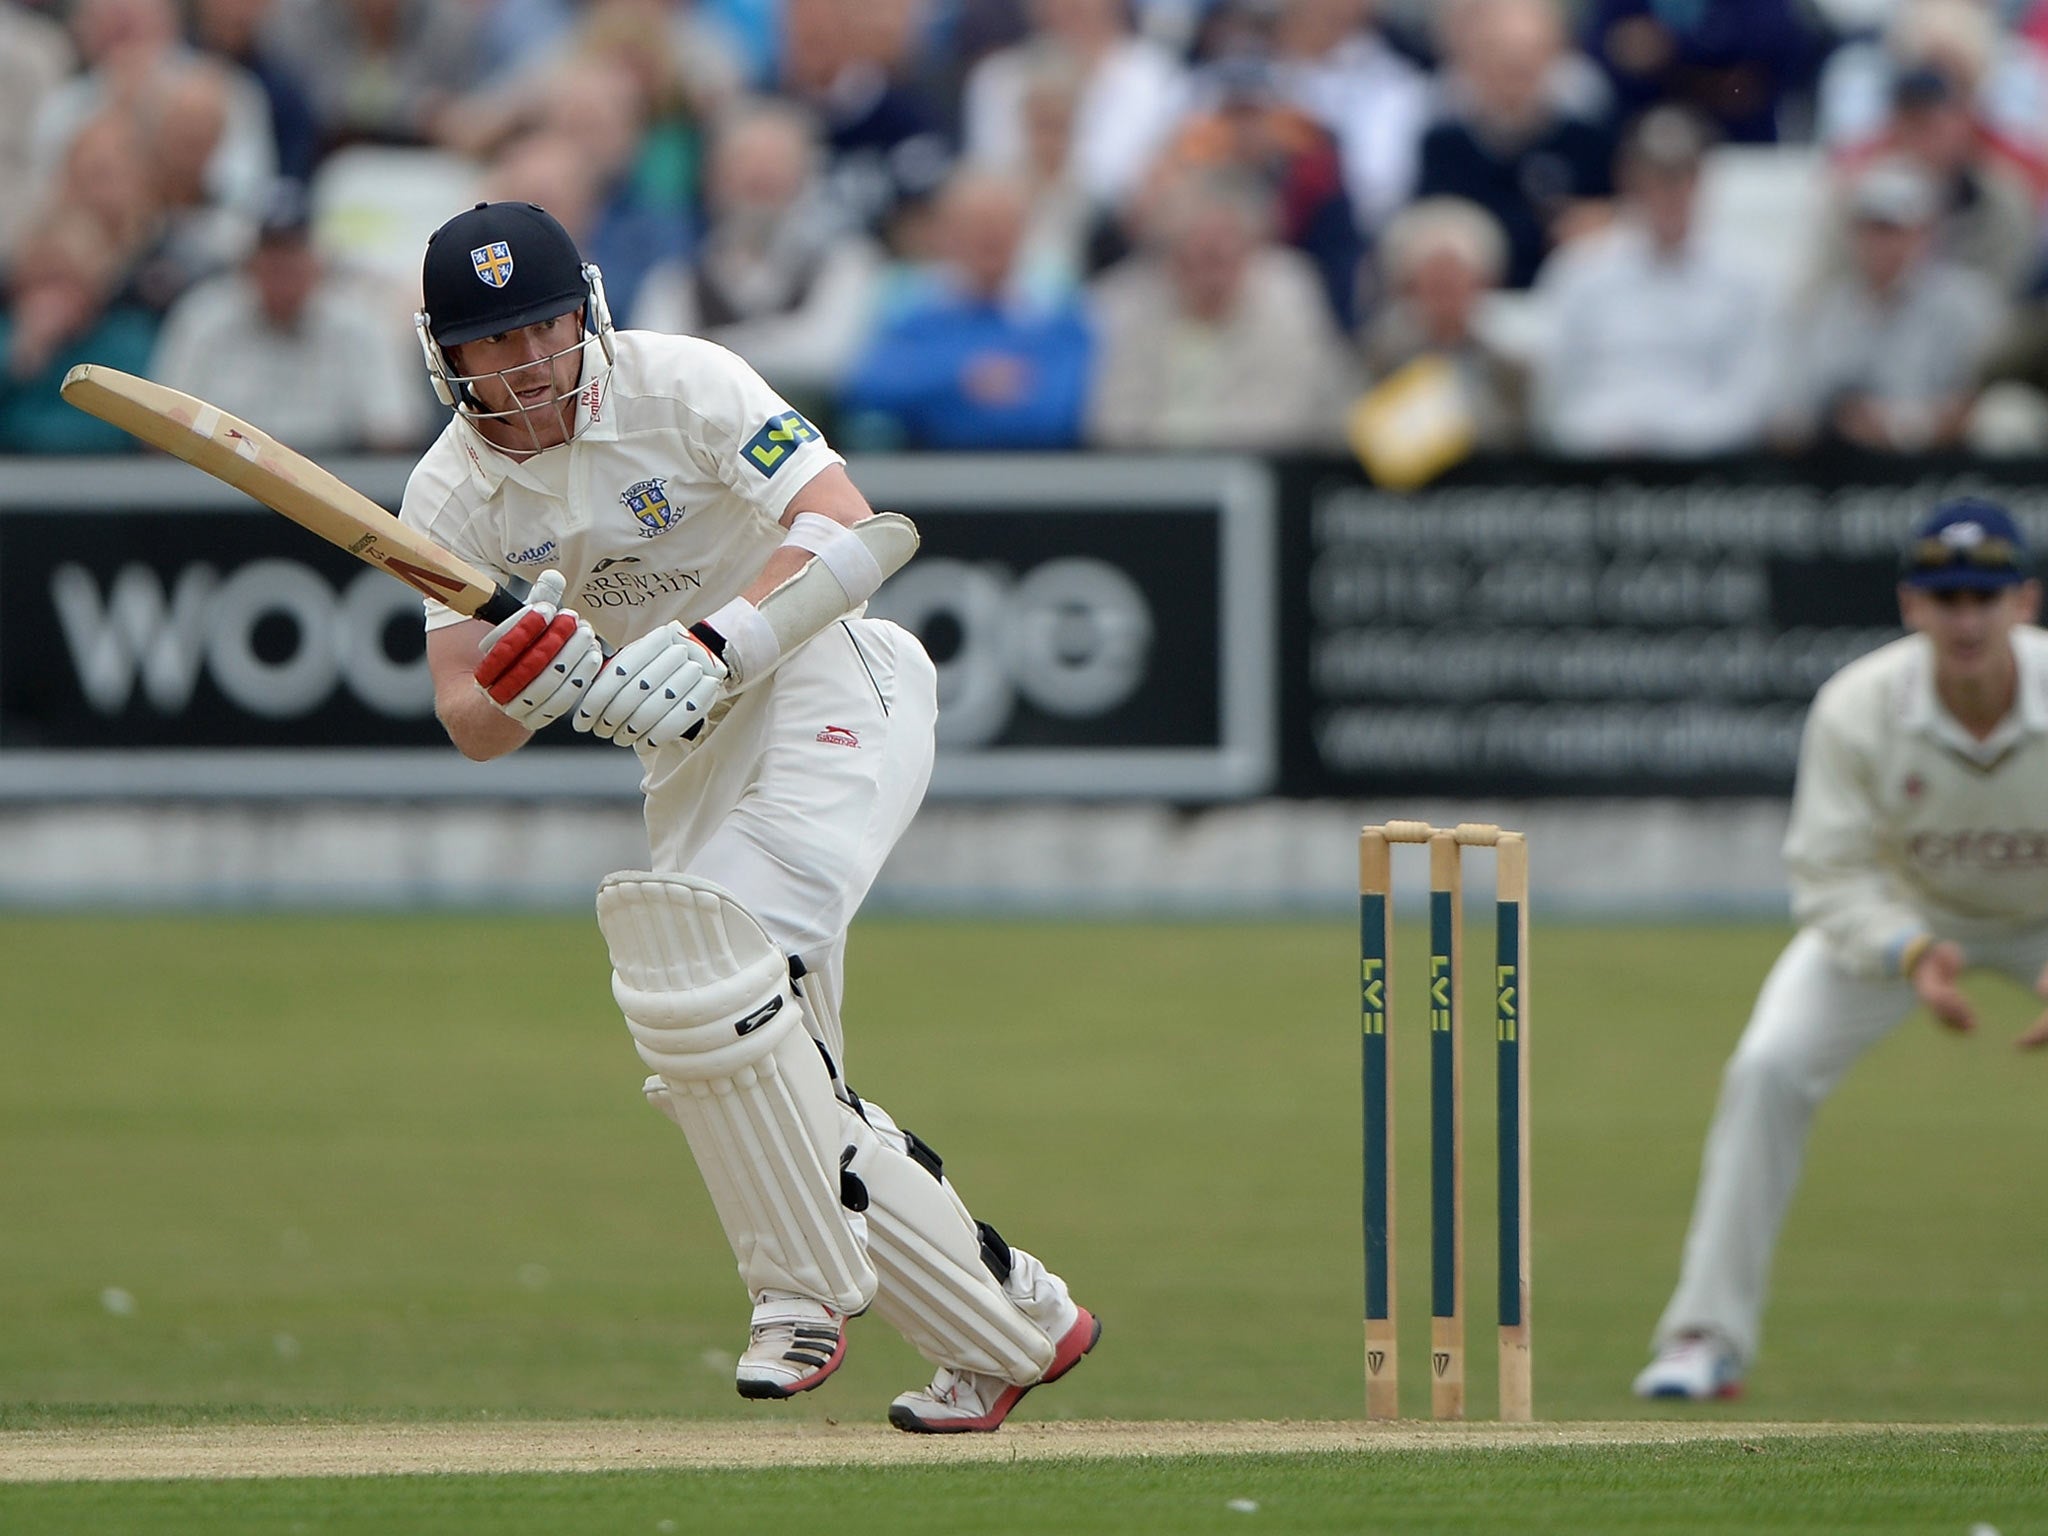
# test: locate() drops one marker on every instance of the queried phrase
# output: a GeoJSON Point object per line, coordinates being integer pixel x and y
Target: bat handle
{"type": "Point", "coordinates": [505, 600]}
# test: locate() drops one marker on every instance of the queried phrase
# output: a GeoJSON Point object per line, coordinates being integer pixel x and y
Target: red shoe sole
{"type": "Point", "coordinates": [772, 1391]}
{"type": "Point", "coordinates": [1075, 1343]}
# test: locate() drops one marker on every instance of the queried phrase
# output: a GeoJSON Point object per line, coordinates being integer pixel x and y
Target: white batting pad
{"type": "Point", "coordinates": [707, 998]}
{"type": "Point", "coordinates": [936, 1290]}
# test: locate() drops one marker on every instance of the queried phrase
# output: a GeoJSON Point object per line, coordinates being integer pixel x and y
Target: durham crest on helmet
{"type": "Point", "coordinates": [493, 263]}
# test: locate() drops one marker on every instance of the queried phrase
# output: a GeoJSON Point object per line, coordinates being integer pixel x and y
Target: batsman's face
{"type": "Point", "coordinates": [526, 380]}
{"type": "Point", "coordinates": [1971, 631]}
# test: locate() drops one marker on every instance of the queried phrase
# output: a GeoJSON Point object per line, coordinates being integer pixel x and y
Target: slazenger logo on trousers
{"type": "Point", "coordinates": [838, 736]}
{"type": "Point", "coordinates": [1980, 848]}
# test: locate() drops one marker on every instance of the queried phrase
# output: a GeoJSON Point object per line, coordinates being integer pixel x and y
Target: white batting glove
{"type": "Point", "coordinates": [539, 662]}
{"type": "Point", "coordinates": [653, 692]}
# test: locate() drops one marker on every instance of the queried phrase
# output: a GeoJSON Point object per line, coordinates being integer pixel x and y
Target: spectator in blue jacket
{"type": "Point", "coordinates": [1506, 144]}
{"type": "Point", "coordinates": [970, 360]}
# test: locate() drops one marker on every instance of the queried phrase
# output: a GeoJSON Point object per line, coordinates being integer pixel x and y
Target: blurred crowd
{"type": "Point", "coordinates": [1417, 227]}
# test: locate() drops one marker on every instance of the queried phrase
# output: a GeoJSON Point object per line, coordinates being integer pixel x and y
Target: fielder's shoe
{"type": "Point", "coordinates": [796, 1344]}
{"type": "Point", "coordinates": [968, 1402]}
{"type": "Point", "coordinates": [1696, 1366]}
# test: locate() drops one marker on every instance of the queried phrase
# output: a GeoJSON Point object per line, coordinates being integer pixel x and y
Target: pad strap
{"type": "Point", "coordinates": [939, 1288]}
{"type": "Point", "coordinates": [845, 556]}
{"type": "Point", "coordinates": [750, 640]}
{"type": "Point", "coordinates": [742, 638]}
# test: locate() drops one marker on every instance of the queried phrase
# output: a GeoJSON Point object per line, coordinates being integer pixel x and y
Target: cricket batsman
{"type": "Point", "coordinates": [700, 562]}
{"type": "Point", "coordinates": [1918, 850]}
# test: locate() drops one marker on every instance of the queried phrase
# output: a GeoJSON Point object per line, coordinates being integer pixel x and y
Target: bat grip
{"type": "Point", "coordinates": [505, 600]}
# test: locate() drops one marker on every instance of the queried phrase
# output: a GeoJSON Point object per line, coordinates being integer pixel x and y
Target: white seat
{"type": "Point", "coordinates": [375, 206]}
{"type": "Point", "coordinates": [1514, 323]}
{"type": "Point", "coordinates": [1765, 206]}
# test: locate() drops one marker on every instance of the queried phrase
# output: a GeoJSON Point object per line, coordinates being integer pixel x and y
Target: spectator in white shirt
{"type": "Point", "coordinates": [1135, 92]}
{"type": "Point", "coordinates": [1334, 64]}
{"type": "Point", "coordinates": [285, 346]}
{"type": "Point", "coordinates": [1888, 354]}
{"type": "Point", "coordinates": [1065, 235]}
{"type": "Point", "coordinates": [779, 278]}
{"type": "Point", "coordinates": [1657, 344]}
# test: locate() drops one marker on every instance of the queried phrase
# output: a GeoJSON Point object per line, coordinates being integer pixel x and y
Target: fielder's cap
{"type": "Point", "coordinates": [1965, 544]}
{"type": "Point", "coordinates": [497, 267]}
{"type": "Point", "coordinates": [1893, 192]}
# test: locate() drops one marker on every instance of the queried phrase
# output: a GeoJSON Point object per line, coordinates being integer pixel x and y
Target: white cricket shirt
{"type": "Point", "coordinates": [665, 505]}
{"type": "Point", "coordinates": [1904, 824]}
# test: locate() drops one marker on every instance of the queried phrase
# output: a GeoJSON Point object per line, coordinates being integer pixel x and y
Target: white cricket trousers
{"type": "Point", "coordinates": [1810, 1025]}
{"type": "Point", "coordinates": [795, 800]}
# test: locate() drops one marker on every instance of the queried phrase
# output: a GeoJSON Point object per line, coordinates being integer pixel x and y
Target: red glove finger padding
{"type": "Point", "coordinates": [510, 644]}
{"type": "Point", "coordinates": [523, 654]}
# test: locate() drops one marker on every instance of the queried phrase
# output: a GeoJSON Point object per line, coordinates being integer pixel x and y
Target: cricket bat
{"type": "Point", "coordinates": [253, 462]}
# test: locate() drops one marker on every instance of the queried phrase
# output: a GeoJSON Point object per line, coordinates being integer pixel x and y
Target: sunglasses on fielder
{"type": "Point", "coordinates": [1988, 554]}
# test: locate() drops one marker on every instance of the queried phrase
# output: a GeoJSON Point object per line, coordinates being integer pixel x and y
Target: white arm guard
{"type": "Point", "coordinates": [846, 567]}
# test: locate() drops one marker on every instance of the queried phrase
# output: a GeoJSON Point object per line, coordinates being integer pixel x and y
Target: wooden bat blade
{"type": "Point", "coordinates": [287, 482]}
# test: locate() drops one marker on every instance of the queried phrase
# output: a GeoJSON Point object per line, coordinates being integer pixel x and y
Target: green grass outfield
{"type": "Point", "coordinates": [273, 1169]}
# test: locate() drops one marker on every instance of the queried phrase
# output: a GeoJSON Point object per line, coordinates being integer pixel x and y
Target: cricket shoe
{"type": "Point", "coordinates": [970, 1402]}
{"type": "Point", "coordinates": [1698, 1367]}
{"type": "Point", "coordinates": [796, 1344]}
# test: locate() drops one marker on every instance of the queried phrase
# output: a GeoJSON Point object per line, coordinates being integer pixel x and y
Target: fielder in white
{"type": "Point", "coordinates": [699, 563]}
{"type": "Point", "coordinates": [1918, 849]}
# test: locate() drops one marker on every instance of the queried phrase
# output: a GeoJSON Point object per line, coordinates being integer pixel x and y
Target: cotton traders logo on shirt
{"type": "Point", "coordinates": [768, 448]}
{"type": "Point", "coordinates": [532, 556]}
{"type": "Point", "coordinates": [493, 263]}
{"type": "Point", "coordinates": [648, 501]}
